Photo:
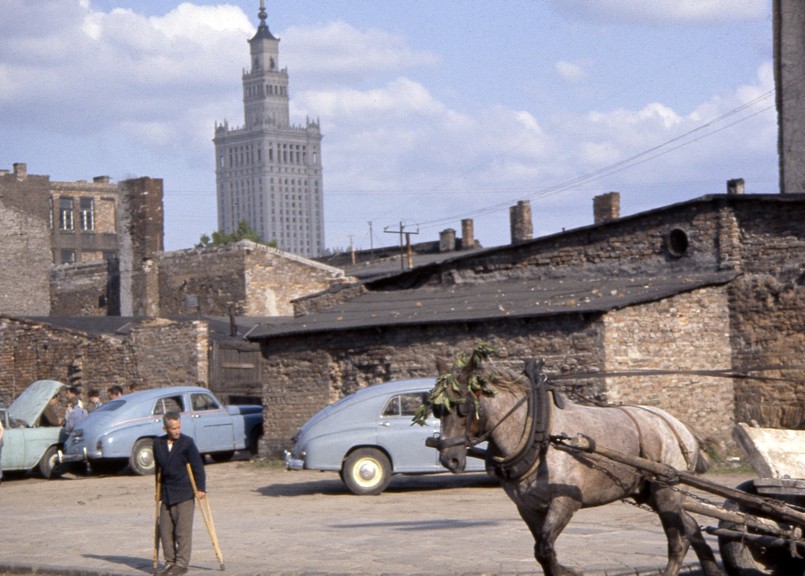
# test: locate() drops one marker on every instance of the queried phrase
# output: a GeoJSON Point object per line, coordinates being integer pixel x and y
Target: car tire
{"type": "Point", "coordinates": [142, 460]}
{"type": "Point", "coordinates": [222, 456]}
{"type": "Point", "coordinates": [366, 471]}
{"type": "Point", "coordinates": [49, 465]}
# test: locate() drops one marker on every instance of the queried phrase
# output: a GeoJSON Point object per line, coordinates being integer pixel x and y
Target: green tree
{"type": "Point", "coordinates": [243, 232]}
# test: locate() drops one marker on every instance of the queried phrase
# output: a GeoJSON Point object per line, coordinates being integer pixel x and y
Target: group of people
{"type": "Point", "coordinates": [76, 410]}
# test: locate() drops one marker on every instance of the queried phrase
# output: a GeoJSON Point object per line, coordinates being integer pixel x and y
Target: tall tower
{"type": "Point", "coordinates": [269, 172]}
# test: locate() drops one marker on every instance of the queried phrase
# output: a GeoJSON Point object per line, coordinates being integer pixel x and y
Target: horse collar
{"type": "Point", "coordinates": [537, 439]}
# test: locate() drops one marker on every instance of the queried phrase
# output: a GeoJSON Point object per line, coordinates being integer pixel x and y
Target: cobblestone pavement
{"type": "Point", "coordinates": [273, 522]}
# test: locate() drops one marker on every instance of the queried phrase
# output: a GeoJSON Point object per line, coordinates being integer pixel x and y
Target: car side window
{"type": "Point", "coordinates": [404, 404]}
{"type": "Point", "coordinates": [168, 404]}
{"type": "Point", "coordinates": [203, 402]}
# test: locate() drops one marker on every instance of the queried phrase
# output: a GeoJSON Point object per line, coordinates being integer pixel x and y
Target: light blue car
{"type": "Point", "coordinates": [26, 444]}
{"type": "Point", "coordinates": [122, 431]}
{"type": "Point", "coordinates": [369, 435]}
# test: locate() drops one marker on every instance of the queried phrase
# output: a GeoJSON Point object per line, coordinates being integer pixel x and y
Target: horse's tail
{"type": "Point", "coordinates": [703, 459]}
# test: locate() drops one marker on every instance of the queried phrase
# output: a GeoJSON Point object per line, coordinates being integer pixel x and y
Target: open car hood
{"type": "Point", "coordinates": [32, 402]}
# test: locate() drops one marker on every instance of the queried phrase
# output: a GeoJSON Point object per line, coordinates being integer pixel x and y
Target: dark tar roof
{"type": "Point", "coordinates": [490, 301]}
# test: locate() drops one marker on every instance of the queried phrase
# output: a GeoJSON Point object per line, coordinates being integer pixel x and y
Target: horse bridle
{"type": "Point", "coordinates": [536, 434]}
{"type": "Point", "coordinates": [465, 408]}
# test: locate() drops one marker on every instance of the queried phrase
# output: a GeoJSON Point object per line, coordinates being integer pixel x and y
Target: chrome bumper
{"type": "Point", "coordinates": [76, 457]}
{"type": "Point", "coordinates": [292, 463]}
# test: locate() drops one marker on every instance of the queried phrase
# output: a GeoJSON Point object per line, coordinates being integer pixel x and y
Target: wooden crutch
{"type": "Point", "coordinates": [206, 515]}
{"type": "Point", "coordinates": [158, 501]}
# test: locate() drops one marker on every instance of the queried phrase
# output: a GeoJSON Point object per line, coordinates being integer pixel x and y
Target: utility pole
{"type": "Point", "coordinates": [407, 235]}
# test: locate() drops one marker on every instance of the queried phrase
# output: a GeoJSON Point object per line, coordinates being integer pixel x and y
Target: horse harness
{"type": "Point", "coordinates": [536, 433]}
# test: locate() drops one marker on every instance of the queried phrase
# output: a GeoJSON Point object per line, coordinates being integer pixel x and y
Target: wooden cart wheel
{"type": "Point", "coordinates": [745, 559]}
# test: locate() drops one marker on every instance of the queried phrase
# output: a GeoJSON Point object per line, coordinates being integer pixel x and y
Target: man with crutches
{"type": "Point", "coordinates": [177, 461]}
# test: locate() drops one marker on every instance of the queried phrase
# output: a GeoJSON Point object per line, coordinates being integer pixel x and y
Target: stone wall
{"type": "Point", "coordinates": [33, 351]}
{"type": "Point", "coordinates": [24, 260]}
{"type": "Point", "coordinates": [255, 280]}
{"type": "Point", "coordinates": [141, 226]}
{"type": "Point", "coordinates": [687, 332]}
{"type": "Point", "coordinates": [301, 375]}
{"type": "Point", "coordinates": [169, 353]}
{"type": "Point", "coordinates": [25, 238]}
{"type": "Point", "coordinates": [80, 289]}
{"type": "Point", "coordinates": [155, 354]}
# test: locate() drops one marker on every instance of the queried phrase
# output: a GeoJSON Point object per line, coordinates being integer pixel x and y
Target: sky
{"type": "Point", "coordinates": [432, 111]}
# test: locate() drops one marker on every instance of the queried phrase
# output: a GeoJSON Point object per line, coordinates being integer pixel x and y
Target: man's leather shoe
{"type": "Point", "coordinates": [164, 570]}
{"type": "Point", "coordinates": [177, 570]}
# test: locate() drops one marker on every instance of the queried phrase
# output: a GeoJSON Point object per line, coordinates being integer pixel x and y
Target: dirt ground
{"type": "Point", "coordinates": [273, 522]}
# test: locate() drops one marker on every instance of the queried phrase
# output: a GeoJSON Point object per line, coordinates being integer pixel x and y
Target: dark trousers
{"type": "Point", "coordinates": [176, 531]}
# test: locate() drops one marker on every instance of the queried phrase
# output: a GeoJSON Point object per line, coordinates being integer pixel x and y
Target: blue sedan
{"type": "Point", "coordinates": [123, 430]}
{"type": "Point", "coordinates": [369, 435]}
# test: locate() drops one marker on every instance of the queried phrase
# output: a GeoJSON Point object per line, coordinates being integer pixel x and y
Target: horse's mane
{"type": "Point", "coordinates": [507, 380]}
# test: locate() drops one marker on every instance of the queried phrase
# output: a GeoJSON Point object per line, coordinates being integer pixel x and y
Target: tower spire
{"type": "Point", "coordinates": [262, 29]}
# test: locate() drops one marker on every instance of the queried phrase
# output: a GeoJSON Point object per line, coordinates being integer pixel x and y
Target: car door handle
{"type": "Point", "coordinates": [386, 424]}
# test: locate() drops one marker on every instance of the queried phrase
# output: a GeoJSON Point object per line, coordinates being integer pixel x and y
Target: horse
{"type": "Point", "coordinates": [549, 482]}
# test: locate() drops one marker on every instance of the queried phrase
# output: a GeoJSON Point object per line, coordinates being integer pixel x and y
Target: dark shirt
{"type": "Point", "coordinates": [172, 464]}
{"type": "Point", "coordinates": [50, 417]}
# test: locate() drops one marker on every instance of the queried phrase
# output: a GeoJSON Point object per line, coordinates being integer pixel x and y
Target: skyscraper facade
{"type": "Point", "coordinates": [268, 172]}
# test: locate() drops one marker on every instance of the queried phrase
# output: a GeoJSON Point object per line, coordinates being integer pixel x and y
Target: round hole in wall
{"type": "Point", "coordinates": [677, 242]}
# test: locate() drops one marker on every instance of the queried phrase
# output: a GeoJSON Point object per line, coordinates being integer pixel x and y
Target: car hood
{"type": "Point", "coordinates": [32, 402]}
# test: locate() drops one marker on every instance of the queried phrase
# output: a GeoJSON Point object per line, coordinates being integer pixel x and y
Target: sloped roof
{"type": "Point", "coordinates": [490, 301]}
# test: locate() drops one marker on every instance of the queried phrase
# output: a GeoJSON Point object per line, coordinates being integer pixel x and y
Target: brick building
{"type": "Point", "coordinates": [710, 284]}
{"type": "Point", "coordinates": [96, 225]}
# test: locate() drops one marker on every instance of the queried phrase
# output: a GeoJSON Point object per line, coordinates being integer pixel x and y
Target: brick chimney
{"type": "Point", "coordinates": [606, 207]}
{"type": "Point", "coordinates": [522, 230]}
{"type": "Point", "coordinates": [735, 186]}
{"type": "Point", "coordinates": [447, 240]}
{"type": "Point", "coordinates": [467, 234]}
{"type": "Point", "coordinates": [20, 170]}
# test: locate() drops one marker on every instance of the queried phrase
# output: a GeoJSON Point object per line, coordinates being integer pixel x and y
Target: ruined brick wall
{"type": "Point", "coordinates": [25, 238]}
{"type": "Point", "coordinates": [255, 280]}
{"type": "Point", "coordinates": [170, 353]}
{"type": "Point", "coordinates": [690, 331]}
{"type": "Point", "coordinates": [31, 351]}
{"type": "Point", "coordinates": [141, 229]}
{"type": "Point", "coordinates": [25, 260]}
{"type": "Point", "coordinates": [80, 289]}
{"type": "Point", "coordinates": [155, 354]}
{"type": "Point", "coordinates": [203, 281]}
{"type": "Point", "coordinates": [301, 375]}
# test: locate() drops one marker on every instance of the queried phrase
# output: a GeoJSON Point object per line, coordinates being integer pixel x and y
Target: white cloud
{"type": "Point", "coordinates": [338, 53]}
{"type": "Point", "coordinates": [653, 12]}
{"type": "Point", "coordinates": [570, 71]}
